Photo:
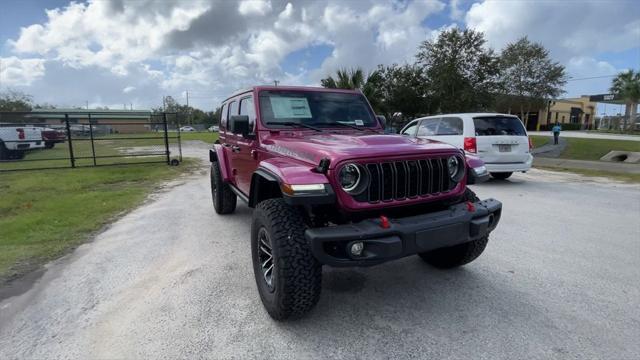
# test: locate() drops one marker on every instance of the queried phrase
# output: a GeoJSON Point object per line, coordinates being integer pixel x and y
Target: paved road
{"type": "Point", "coordinates": [559, 279]}
{"type": "Point", "coordinates": [588, 135]}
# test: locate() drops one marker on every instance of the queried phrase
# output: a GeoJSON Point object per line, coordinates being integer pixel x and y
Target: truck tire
{"type": "Point", "coordinates": [501, 175]}
{"type": "Point", "coordinates": [288, 276]}
{"type": "Point", "coordinates": [458, 255]}
{"type": "Point", "coordinates": [224, 200]}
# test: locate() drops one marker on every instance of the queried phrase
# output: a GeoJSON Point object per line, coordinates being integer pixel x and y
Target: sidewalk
{"type": "Point", "coordinates": [550, 150]}
{"type": "Point", "coordinates": [588, 165]}
{"type": "Point", "coordinates": [588, 135]}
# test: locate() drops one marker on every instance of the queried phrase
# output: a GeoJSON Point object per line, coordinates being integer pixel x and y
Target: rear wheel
{"type": "Point", "coordinates": [501, 175]}
{"type": "Point", "coordinates": [224, 200]}
{"type": "Point", "coordinates": [49, 144]}
{"type": "Point", "coordinates": [287, 274]}
{"type": "Point", "coordinates": [457, 255]}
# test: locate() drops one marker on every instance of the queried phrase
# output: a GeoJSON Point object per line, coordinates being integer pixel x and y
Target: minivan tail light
{"type": "Point", "coordinates": [470, 145]}
{"type": "Point", "coordinates": [20, 133]}
{"type": "Point", "coordinates": [530, 144]}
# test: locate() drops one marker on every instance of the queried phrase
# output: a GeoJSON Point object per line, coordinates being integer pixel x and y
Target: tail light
{"type": "Point", "coordinates": [530, 144]}
{"type": "Point", "coordinates": [20, 134]}
{"type": "Point", "coordinates": [470, 145]}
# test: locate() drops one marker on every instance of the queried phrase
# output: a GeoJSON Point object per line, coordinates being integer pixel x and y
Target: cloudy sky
{"type": "Point", "coordinates": [135, 51]}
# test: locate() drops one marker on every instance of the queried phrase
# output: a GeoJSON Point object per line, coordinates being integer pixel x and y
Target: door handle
{"type": "Point", "coordinates": [235, 148]}
{"type": "Point", "coordinates": [226, 145]}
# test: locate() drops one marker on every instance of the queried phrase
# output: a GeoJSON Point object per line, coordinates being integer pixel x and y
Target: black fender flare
{"type": "Point", "coordinates": [259, 178]}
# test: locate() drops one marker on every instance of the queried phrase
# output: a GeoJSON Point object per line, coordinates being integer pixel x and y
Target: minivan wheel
{"type": "Point", "coordinates": [224, 200]}
{"type": "Point", "coordinates": [501, 175]}
{"type": "Point", "coordinates": [288, 276]}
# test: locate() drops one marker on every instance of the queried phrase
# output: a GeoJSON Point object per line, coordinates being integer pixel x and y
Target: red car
{"type": "Point", "coordinates": [52, 136]}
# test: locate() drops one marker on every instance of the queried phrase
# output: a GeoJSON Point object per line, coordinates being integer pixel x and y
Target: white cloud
{"type": "Point", "coordinates": [591, 76]}
{"type": "Point", "coordinates": [20, 72]}
{"type": "Point", "coordinates": [567, 28]}
{"type": "Point", "coordinates": [136, 51]}
{"type": "Point", "coordinates": [254, 7]}
{"type": "Point", "coordinates": [455, 13]}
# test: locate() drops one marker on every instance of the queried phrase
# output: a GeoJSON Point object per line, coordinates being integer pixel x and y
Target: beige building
{"type": "Point", "coordinates": [111, 121]}
{"type": "Point", "coordinates": [568, 111]}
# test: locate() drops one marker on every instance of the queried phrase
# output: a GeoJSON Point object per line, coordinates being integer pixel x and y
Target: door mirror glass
{"type": "Point", "coordinates": [239, 125]}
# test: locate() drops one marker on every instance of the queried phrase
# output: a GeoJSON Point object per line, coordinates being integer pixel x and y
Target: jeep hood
{"type": "Point", "coordinates": [337, 147]}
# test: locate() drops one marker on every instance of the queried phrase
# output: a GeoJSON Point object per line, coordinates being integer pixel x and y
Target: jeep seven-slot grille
{"type": "Point", "coordinates": [398, 180]}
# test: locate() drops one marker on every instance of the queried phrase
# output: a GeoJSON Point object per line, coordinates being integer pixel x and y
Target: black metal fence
{"type": "Point", "coordinates": [55, 139]}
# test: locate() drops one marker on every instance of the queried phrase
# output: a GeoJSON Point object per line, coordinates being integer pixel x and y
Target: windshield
{"type": "Point", "coordinates": [498, 125]}
{"type": "Point", "coordinates": [314, 108]}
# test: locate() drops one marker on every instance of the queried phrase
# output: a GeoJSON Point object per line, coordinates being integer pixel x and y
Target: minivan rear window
{"type": "Point", "coordinates": [498, 125]}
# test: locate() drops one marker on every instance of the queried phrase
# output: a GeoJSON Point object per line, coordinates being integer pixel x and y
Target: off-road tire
{"type": "Point", "coordinates": [297, 275]}
{"type": "Point", "coordinates": [224, 200]}
{"type": "Point", "coordinates": [458, 255]}
{"type": "Point", "coordinates": [501, 175]}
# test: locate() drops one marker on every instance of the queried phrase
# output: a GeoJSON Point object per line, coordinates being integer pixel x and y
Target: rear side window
{"type": "Point", "coordinates": [450, 126]}
{"type": "Point", "coordinates": [428, 127]}
{"type": "Point", "coordinates": [498, 125]}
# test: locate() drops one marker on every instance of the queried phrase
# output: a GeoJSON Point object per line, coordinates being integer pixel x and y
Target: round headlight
{"type": "Point", "coordinates": [350, 177]}
{"type": "Point", "coordinates": [455, 168]}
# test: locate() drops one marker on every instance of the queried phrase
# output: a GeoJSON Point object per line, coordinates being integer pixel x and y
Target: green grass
{"type": "Point", "coordinates": [625, 177]}
{"type": "Point", "coordinates": [589, 149]}
{"type": "Point", "coordinates": [45, 213]}
{"type": "Point", "coordinates": [539, 141]}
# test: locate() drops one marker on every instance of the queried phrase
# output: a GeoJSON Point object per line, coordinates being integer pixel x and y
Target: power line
{"type": "Point", "coordinates": [592, 77]}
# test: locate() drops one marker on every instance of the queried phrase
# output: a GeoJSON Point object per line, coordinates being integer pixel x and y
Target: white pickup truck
{"type": "Point", "coordinates": [16, 139]}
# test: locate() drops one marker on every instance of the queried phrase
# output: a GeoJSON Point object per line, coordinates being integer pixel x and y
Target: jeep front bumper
{"type": "Point", "coordinates": [405, 236]}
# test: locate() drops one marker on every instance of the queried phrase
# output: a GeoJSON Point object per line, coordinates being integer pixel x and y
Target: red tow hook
{"type": "Point", "coordinates": [470, 207]}
{"type": "Point", "coordinates": [384, 222]}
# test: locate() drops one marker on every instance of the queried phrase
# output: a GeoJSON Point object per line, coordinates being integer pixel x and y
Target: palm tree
{"type": "Point", "coordinates": [355, 79]}
{"type": "Point", "coordinates": [627, 86]}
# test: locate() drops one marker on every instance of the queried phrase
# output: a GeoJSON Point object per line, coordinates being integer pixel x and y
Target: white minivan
{"type": "Point", "coordinates": [500, 140]}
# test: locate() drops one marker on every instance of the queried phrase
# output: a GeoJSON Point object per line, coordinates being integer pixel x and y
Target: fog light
{"type": "Point", "coordinates": [356, 248]}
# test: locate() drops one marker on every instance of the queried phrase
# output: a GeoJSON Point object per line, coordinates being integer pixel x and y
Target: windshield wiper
{"type": "Point", "coordinates": [293, 124]}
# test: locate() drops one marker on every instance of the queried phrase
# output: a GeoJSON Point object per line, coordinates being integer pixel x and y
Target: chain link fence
{"type": "Point", "coordinates": [51, 140]}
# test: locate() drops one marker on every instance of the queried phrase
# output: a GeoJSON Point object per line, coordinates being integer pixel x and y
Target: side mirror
{"type": "Point", "coordinates": [239, 125]}
{"type": "Point", "coordinates": [383, 121]}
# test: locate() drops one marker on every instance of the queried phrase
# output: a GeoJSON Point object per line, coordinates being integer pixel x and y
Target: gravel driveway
{"type": "Point", "coordinates": [559, 279]}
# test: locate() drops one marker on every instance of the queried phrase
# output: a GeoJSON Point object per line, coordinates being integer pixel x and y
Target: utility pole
{"type": "Point", "coordinates": [87, 104]}
{"type": "Point", "coordinates": [188, 109]}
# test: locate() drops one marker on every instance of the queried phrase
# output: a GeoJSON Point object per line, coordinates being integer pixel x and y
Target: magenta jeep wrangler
{"type": "Point", "coordinates": [329, 188]}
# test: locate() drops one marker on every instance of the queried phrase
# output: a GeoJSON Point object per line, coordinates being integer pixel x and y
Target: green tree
{"type": "Point", "coordinates": [356, 79]}
{"type": "Point", "coordinates": [627, 86]}
{"type": "Point", "coordinates": [461, 71]}
{"type": "Point", "coordinates": [403, 92]}
{"type": "Point", "coordinates": [12, 100]}
{"type": "Point", "coordinates": [528, 77]}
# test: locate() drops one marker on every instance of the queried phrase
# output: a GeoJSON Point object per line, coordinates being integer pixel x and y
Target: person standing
{"type": "Point", "coordinates": [556, 133]}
